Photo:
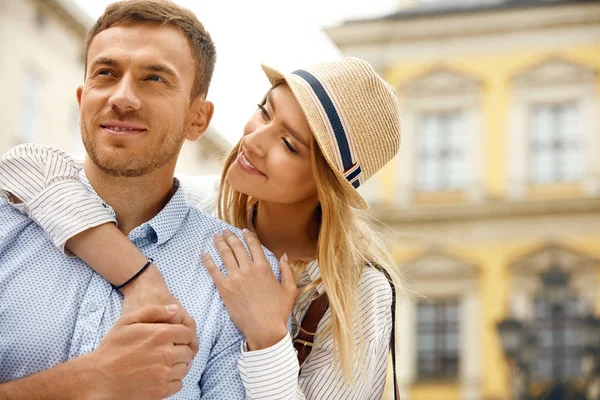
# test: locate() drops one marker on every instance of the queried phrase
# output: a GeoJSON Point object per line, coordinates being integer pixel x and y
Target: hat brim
{"type": "Point", "coordinates": [310, 112]}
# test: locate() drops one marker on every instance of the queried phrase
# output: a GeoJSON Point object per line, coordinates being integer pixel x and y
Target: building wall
{"type": "Point", "coordinates": [36, 40]}
{"type": "Point", "coordinates": [471, 243]}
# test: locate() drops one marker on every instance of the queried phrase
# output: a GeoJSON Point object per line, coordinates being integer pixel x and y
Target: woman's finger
{"type": "Point", "coordinates": [214, 272]}
{"type": "Point", "coordinates": [287, 275]}
{"type": "Point", "coordinates": [226, 254]}
{"type": "Point", "coordinates": [255, 247]}
{"type": "Point", "coordinates": [239, 251]}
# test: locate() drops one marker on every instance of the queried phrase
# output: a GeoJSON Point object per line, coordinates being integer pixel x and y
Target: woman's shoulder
{"type": "Point", "coordinates": [374, 290]}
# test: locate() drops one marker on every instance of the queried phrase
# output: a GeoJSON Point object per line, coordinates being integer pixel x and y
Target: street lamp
{"type": "Point", "coordinates": [519, 340]}
{"type": "Point", "coordinates": [590, 334]}
{"type": "Point", "coordinates": [556, 285]}
{"type": "Point", "coordinates": [590, 340]}
{"type": "Point", "coordinates": [511, 332]}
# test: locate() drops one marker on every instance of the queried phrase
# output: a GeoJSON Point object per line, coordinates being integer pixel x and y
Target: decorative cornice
{"type": "Point", "coordinates": [439, 81]}
{"type": "Point", "coordinates": [390, 31]}
{"type": "Point", "coordinates": [539, 260]}
{"type": "Point", "coordinates": [487, 210]}
{"type": "Point", "coordinates": [554, 72]}
{"type": "Point", "coordinates": [438, 264]}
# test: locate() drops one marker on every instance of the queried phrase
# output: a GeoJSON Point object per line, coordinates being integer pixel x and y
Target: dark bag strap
{"type": "Point", "coordinates": [305, 339]}
{"type": "Point", "coordinates": [393, 336]}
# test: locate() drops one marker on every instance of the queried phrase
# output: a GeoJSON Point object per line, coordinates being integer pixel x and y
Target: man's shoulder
{"type": "Point", "coordinates": [17, 229]}
{"type": "Point", "coordinates": [207, 225]}
{"type": "Point", "coordinates": [9, 214]}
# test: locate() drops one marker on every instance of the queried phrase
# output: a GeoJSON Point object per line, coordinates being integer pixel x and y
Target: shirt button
{"type": "Point", "coordinates": [92, 307]}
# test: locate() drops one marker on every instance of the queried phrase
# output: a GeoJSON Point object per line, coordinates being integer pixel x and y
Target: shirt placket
{"type": "Point", "coordinates": [89, 319]}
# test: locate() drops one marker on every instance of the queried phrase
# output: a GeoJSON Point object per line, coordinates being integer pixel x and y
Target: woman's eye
{"type": "Point", "coordinates": [289, 146]}
{"type": "Point", "coordinates": [263, 112]}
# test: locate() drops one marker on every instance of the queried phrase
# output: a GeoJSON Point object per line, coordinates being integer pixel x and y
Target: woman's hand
{"type": "Point", "coordinates": [257, 303]}
{"type": "Point", "coordinates": [150, 289]}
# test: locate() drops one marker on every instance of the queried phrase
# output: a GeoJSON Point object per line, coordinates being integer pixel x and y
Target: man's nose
{"type": "Point", "coordinates": [125, 97]}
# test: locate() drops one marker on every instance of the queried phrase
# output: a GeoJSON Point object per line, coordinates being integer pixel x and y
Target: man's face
{"type": "Point", "coordinates": [135, 108]}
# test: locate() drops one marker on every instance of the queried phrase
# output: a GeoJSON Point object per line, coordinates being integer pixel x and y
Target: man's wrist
{"type": "Point", "coordinates": [150, 278]}
{"type": "Point", "coordinates": [266, 338]}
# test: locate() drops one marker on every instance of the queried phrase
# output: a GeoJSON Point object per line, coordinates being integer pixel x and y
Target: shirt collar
{"type": "Point", "coordinates": [313, 272]}
{"type": "Point", "coordinates": [164, 225]}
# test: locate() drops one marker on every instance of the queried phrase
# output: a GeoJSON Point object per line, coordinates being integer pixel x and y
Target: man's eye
{"type": "Point", "coordinates": [155, 78]}
{"type": "Point", "coordinates": [104, 72]}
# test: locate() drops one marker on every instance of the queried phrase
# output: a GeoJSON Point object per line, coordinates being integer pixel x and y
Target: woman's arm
{"type": "Point", "coordinates": [44, 183]}
{"type": "Point", "coordinates": [268, 367]}
{"type": "Point", "coordinates": [273, 373]}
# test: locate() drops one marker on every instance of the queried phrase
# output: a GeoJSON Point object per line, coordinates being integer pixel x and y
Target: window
{"type": "Point", "coordinates": [441, 162]}
{"type": "Point", "coordinates": [555, 143]}
{"type": "Point", "coordinates": [30, 127]}
{"type": "Point", "coordinates": [558, 346]}
{"type": "Point", "coordinates": [438, 339]}
{"type": "Point", "coordinates": [553, 126]}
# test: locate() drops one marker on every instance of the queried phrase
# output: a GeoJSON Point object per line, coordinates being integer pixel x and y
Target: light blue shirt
{"type": "Point", "coordinates": [54, 308]}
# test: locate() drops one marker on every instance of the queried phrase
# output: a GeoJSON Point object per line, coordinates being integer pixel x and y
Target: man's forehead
{"type": "Point", "coordinates": [148, 41]}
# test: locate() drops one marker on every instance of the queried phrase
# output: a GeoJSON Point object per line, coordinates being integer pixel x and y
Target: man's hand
{"type": "Point", "coordinates": [142, 356]}
{"type": "Point", "coordinates": [150, 289]}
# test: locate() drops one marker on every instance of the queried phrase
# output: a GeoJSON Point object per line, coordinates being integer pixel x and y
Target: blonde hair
{"type": "Point", "coordinates": [348, 240]}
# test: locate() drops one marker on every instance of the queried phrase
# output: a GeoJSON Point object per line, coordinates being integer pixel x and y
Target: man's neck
{"type": "Point", "coordinates": [292, 229]}
{"type": "Point", "coordinates": [135, 200]}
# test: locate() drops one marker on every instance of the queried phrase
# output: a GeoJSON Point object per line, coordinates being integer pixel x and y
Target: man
{"type": "Point", "coordinates": [148, 68]}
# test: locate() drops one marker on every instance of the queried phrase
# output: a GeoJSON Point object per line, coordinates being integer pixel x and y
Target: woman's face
{"type": "Point", "coordinates": [274, 160]}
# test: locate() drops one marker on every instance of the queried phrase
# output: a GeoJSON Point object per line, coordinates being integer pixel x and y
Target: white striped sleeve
{"type": "Point", "coordinates": [273, 373]}
{"type": "Point", "coordinates": [46, 180]}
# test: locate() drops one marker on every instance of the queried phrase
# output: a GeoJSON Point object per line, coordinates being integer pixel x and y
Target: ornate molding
{"type": "Point", "coordinates": [538, 261]}
{"type": "Point", "coordinates": [437, 264]}
{"type": "Point", "coordinates": [441, 81]}
{"type": "Point", "coordinates": [555, 72]}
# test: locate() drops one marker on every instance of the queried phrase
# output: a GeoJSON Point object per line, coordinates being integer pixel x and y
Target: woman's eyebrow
{"type": "Point", "coordinates": [292, 132]}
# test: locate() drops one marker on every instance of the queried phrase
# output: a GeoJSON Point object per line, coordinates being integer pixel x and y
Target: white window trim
{"type": "Point", "coordinates": [461, 286]}
{"type": "Point", "coordinates": [578, 87]}
{"type": "Point", "coordinates": [421, 97]}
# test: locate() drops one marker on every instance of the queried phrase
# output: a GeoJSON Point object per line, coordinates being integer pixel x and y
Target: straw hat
{"type": "Point", "coordinates": [354, 115]}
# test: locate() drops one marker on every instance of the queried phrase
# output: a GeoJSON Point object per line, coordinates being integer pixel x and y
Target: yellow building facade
{"type": "Point", "coordinates": [496, 183]}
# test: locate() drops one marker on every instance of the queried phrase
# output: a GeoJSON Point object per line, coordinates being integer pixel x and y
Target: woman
{"type": "Point", "coordinates": [291, 182]}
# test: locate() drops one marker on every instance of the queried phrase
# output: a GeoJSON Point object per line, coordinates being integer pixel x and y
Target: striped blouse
{"type": "Point", "coordinates": [47, 181]}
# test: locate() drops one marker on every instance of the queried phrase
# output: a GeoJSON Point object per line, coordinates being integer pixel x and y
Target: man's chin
{"type": "Point", "coordinates": [118, 166]}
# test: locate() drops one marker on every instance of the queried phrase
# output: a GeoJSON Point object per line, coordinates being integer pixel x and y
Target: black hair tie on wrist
{"type": "Point", "coordinates": [128, 281]}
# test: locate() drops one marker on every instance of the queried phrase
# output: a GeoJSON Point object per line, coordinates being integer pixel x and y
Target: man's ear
{"type": "Point", "coordinates": [79, 93]}
{"type": "Point", "coordinates": [201, 112]}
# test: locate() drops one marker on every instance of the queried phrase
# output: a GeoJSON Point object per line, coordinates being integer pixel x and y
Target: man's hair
{"type": "Point", "coordinates": [166, 13]}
